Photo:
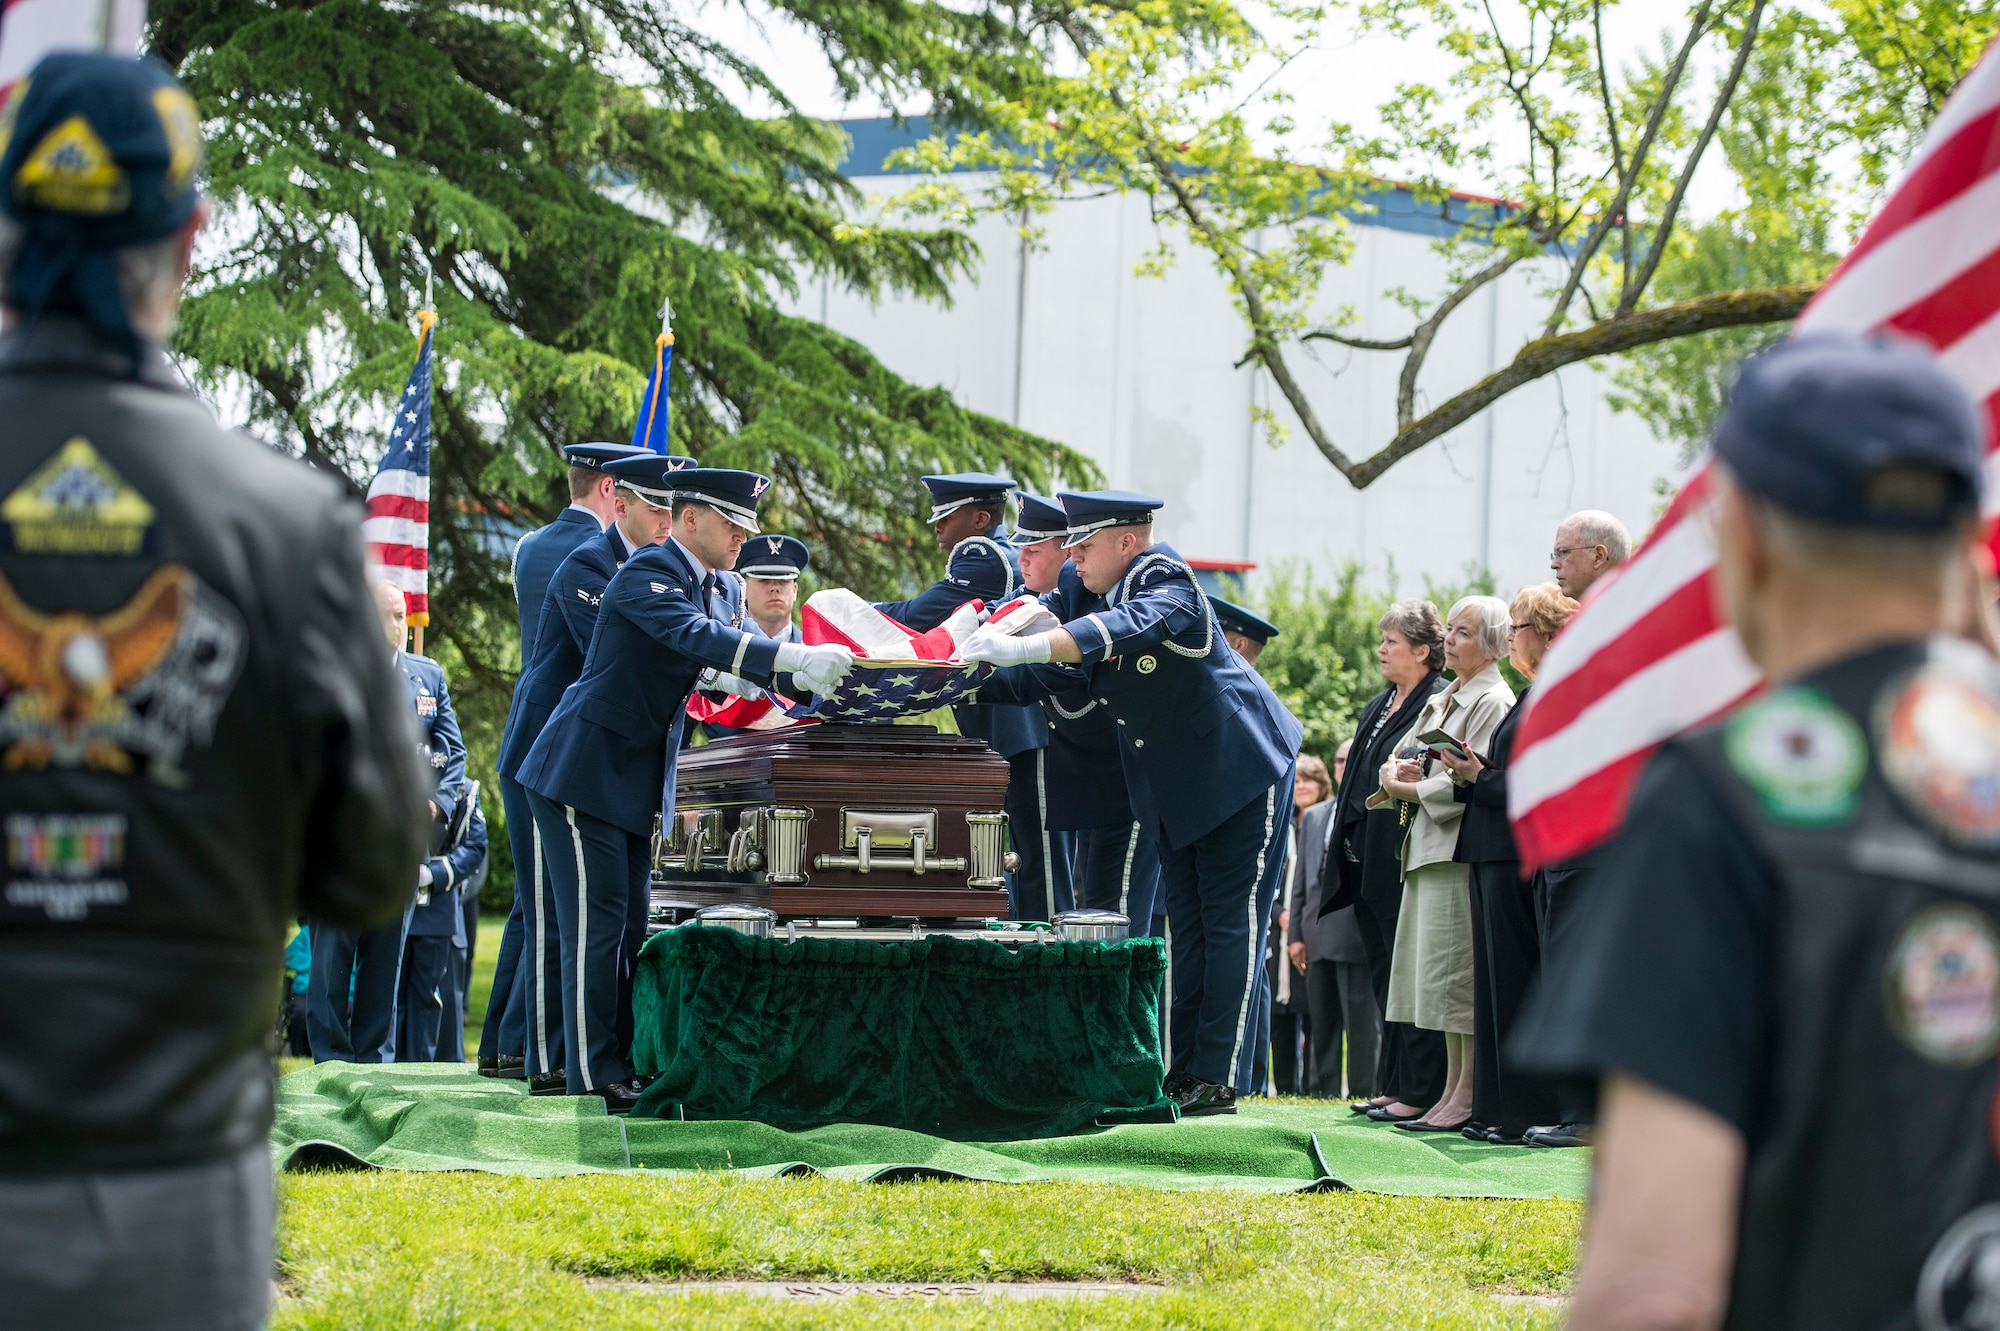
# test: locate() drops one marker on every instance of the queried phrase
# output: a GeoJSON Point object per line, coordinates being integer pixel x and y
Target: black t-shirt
{"type": "Point", "coordinates": [1667, 977]}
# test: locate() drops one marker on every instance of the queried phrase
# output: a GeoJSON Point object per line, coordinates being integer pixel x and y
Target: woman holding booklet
{"type": "Point", "coordinates": [1431, 980]}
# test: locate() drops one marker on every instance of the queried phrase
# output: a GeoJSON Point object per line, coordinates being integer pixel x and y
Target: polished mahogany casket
{"type": "Point", "coordinates": [853, 821]}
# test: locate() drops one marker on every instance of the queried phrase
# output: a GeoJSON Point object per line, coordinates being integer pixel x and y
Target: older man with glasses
{"type": "Point", "coordinates": [1588, 545]}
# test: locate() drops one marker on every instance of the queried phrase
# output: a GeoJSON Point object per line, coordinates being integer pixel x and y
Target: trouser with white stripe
{"type": "Point", "coordinates": [1040, 888]}
{"type": "Point", "coordinates": [1219, 892]}
{"type": "Point", "coordinates": [529, 1008]}
{"type": "Point", "coordinates": [1117, 868]}
{"type": "Point", "coordinates": [595, 872]}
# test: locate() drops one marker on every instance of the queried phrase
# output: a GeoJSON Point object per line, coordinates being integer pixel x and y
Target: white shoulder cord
{"type": "Point", "coordinates": [994, 546]}
{"type": "Point", "coordinates": [1153, 560]}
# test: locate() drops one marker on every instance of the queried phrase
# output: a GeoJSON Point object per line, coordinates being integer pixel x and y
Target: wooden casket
{"type": "Point", "coordinates": [869, 822]}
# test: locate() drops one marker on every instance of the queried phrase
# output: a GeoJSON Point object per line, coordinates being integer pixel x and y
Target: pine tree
{"type": "Point", "coordinates": [559, 168]}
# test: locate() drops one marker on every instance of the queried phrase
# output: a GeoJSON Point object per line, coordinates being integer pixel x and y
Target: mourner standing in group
{"type": "Point", "coordinates": [602, 768]}
{"type": "Point", "coordinates": [156, 866]}
{"type": "Point", "coordinates": [969, 516]}
{"type": "Point", "coordinates": [1208, 752]}
{"type": "Point", "coordinates": [1802, 913]}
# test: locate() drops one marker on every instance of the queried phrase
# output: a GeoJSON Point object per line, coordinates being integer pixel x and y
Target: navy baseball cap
{"type": "Point", "coordinates": [1855, 432]}
{"type": "Point", "coordinates": [592, 457]}
{"type": "Point", "coordinates": [780, 558]}
{"type": "Point", "coordinates": [1093, 510]}
{"type": "Point", "coordinates": [648, 474]}
{"type": "Point", "coordinates": [1236, 619]}
{"type": "Point", "coordinates": [97, 153]}
{"type": "Point", "coordinates": [734, 494]}
{"type": "Point", "coordinates": [1041, 520]}
{"type": "Point", "coordinates": [953, 492]}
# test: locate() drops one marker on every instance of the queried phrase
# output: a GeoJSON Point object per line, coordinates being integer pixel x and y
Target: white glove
{"type": "Point", "coordinates": [725, 682]}
{"type": "Point", "coordinates": [424, 875]}
{"type": "Point", "coordinates": [818, 668]}
{"type": "Point", "coordinates": [1005, 651]}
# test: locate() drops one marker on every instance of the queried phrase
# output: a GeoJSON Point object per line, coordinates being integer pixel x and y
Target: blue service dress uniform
{"type": "Point", "coordinates": [562, 639]}
{"type": "Point", "coordinates": [536, 558]}
{"type": "Point", "coordinates": [1209, 754]}
{"type": "Point", "coordinates": [1114, 865]}
{"type": "Point", "coordinates": [603, 769]}
{"type": "Point", "coordinates": [988, 568]}
{"type": "Point", "coordinates": [437, 927]}
{"type": "Point", "coordinates": [371, 960]}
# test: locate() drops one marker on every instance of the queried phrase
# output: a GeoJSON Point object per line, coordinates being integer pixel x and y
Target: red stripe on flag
{"type": "Point", "coordinates": [1684, 617]}
{"type": "Point", "coordinates": [402, 556]}
{"type": "Point", "coordinates": [1955, 309]}
{"type": "Point", "coordinates": [1565, 825]}
{"type": "Point", "coordinates": [399, 506]}
{"type": "Point", "coordinates": [1961, 162]}
{"type": "Point", "coordinates": [417, 603]}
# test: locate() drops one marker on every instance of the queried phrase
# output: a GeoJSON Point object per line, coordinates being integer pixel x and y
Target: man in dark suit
{"type": "Point", "coordinates": [1339, 995]}
{"type": "Point", "coordinates": [503, 1044]}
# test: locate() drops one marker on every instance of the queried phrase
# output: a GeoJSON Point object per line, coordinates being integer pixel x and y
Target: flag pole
{"type": "Point", "coordinates": [427, 319]}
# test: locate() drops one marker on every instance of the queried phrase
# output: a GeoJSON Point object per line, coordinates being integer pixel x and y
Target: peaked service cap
{"type": "Point", "coordinates": [953, 492]}
{"type": "Point", "coordinates": [592, 457]}
{"type": "Point", "coordinates": [774, 557]}
{"type": "Point", "coordinates": [1094, 510]}
{"type": "Point", "coordinates": [734, 494]}
{"type": "Point", "coordinates": [1041, 520]}
{"type": "Point", "coordinates": [648, 474]}
{"type": "Point", "coordinates": [1236, 619]}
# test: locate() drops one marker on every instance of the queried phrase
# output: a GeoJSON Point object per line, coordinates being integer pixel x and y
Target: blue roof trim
{"type": "Point", "coordinates": [1396, 207]}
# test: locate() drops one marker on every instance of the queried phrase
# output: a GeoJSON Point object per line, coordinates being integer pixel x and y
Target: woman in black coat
{"type": "Point", "coordinates": [1506, 948]}
{"type": "Point", "coordinates": [1365, 850]}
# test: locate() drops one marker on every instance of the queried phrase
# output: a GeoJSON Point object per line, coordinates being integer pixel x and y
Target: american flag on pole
{"type": "Point", "coordinates": [398, 525]}
{"type": "Point", "coordinates": [1647, 657]}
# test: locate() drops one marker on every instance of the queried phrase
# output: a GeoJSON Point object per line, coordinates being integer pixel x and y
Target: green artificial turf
{"type": "Point", "coordinates": [437, 1117]}
{"type": "Point", "coordinates": [405, 1250]}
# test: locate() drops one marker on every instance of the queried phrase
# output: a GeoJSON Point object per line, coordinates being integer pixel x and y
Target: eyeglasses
{"type": "Point", "coordinates": [1563, 552]}
{"type": "Point", "coordinates": [1518, 628]}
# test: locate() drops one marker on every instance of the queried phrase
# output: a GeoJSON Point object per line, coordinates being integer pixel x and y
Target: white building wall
{"type": "Point", "coordinates": [1138, 374]}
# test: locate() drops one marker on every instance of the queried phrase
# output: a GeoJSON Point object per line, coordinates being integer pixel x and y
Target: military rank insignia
{"type": "Point", "coordinates": [76, 504]}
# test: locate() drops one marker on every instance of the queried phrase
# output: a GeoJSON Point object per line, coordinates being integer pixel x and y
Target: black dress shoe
{"type": "Point", "coordinates": [1362, 1106]}
{"type": "Point", "coordinates": [1562, 1134]}
{"type": "Point", "coordinates": [1413, 1125]}
{"type": "Point", "coordinates": [1381, 1114]}
{"type": "Point", "coordinates": [620, 1096]}
{"type": "Point", "coordinates": [489, 1067]}
{"type": "Point", "coordinates": [548, 1083]}
{"type": "Point", "coordinates": [503, 1065]}
{"type": "Point", "coordinates": [1479, 1132]}
{"type": "Point", "coordinates": [1196, 1098]}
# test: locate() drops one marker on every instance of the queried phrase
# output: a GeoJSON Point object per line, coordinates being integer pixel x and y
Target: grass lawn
{"type": "Point", "coordinates": [467, 1250]}
{"type": "Point", "coordinates": [408, 1250]}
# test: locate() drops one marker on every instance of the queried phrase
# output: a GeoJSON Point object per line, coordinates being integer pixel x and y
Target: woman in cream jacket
{"type": "Point", "coordinates": [1430, 983]}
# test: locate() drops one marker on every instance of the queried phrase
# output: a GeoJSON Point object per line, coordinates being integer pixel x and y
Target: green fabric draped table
{"type": "Point", "coordinates": [958, 1038]}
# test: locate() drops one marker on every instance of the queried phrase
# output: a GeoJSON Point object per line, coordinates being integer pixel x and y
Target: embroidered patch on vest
{"type": "Point", "coordinates": [1959, 1285]}
{"type": "Point", "coordinates": [76, 504]}
{"type": "Point", "coordinates": [1939, 737]}
{"type": "Point", "coordinates": [62, 864]}
{"type": "Point", "coordinates": [1803, 756]}
{"type": "Point", "coordinates": [1942, 985]}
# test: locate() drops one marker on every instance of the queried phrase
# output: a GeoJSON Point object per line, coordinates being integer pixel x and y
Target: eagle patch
{"type": "Point", "coordinates": [142, 685]}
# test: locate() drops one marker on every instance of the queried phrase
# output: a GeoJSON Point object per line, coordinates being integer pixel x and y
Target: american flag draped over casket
{"type": "Point", "coordinates": [897, 672]}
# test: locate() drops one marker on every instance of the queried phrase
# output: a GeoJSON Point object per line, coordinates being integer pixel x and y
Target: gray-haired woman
{"type": "Point", "coordinates": [1431, 984]}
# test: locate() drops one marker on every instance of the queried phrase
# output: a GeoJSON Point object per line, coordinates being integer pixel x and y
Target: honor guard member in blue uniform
{"type": "Point", "coordinates": [1113, 864]}
{"type": "Point", "coordinates": [363, 1030]}
{"type": "Point", "coordinates": [1786, 980]}
{"type": "Point", "coordinates": [969, 515]}
{"type": "Point", "coordinates": [642, 515]}
{"type": "Point", "coordinates": [1209, 754]}
{"type": "Point", "coordinates": [437, 928]}
{"type": "Point", "coordinates": [537, 555]}
{"type": "Point", "coordinates": [201, 736]}
{"type": "Point", "coordinates": [603, 767]}
{"type": "Point", "coordinates": [1245, 632]}
{"type": "Point", "coordinates": [770, 568]}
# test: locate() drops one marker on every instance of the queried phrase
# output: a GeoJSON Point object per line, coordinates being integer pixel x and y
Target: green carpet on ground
{"type": "Point", "coordinates": [442, 1116]}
